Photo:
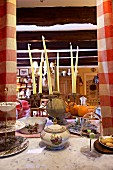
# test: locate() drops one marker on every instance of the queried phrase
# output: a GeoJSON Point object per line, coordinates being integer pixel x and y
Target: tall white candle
{"type": "Point", "coordinates": [40, 71]}
{"type": "Point", "coordinates": [48, 70]}
{"type": "Point", "coordinates": [72, 72]}
{"type": "Point", "coordinates": [32, 70]}
{"type": "Point", "coordinates": [45, 67]}
{"type": "Point", "coordinates": [58, 72]}
{"type": "Point", "coordinates": [76, 64]}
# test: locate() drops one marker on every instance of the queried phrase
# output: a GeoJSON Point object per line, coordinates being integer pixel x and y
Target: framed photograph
{"type": "Point", "coordinates": [17, 72]}
{"type": "Point", "coordinates": [23, 72]}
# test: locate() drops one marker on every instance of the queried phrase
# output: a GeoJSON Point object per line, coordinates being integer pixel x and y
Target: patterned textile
{"type": "Point", "coordinates": [105, 61]}
{"type": "Point", "coordinates": [8, 54]}
{"type": "Point", "coordinates": [92, 94]}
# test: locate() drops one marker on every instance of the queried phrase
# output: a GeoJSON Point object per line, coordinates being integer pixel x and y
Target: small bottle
{"type": "Point", "coordinates": [83, 100]}
{"type": "Point", "coordinates": [83, 109]}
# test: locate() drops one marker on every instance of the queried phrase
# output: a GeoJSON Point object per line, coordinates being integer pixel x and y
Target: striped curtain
{"type": "Point", "coordinates": [105, 62]}
{"type": "Point", "coordinates": [8, 54]}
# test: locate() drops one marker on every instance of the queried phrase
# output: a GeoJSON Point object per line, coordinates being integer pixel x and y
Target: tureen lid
{"type": "Point", "coordinates": [55, 128]}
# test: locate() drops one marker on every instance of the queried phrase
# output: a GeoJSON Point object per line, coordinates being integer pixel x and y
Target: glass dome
{"type": "Point", "coordinates": [91, 116]}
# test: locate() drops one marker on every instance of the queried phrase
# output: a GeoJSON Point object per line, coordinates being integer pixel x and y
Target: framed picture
{"type": "Point", "coordinates": [91, 89]}
{"type": "Point", "coordinates": [23, 72]}
{"type": "Point", "coordinates": [17, 72]}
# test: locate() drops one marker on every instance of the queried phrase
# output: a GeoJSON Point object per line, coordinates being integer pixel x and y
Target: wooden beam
{"type": "Point", "coordinates": [92, 44]}
{"type": "Point", "coordinates": [46, 16]}
{"type": "Point", "coordinates": [53, 54]}
{"type": "Point", "coordinates": [63, 62]}
{"type": "Point", "coordinates": [57, 36]}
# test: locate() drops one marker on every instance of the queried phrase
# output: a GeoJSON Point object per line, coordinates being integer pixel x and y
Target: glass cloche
{"type": "Point", "coordinates": [92, 118]}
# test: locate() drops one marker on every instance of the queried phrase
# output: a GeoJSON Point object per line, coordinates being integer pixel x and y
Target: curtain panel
{"type": "Point", "coordinates": [105, 62]}
{"type": "Point", "coordinates": [8, 54]}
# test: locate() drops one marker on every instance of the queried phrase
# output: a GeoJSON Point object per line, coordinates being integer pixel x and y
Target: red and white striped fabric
{"type": "Point", "coordinates": [8, 53]}
{"type": "Point", "coordinates": [105, 62]}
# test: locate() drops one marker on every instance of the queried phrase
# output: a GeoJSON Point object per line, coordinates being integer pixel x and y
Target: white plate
{"type": "Point", "coordinates": [104, 137]}
{"type": "Point", "coordinates": [43, 145]}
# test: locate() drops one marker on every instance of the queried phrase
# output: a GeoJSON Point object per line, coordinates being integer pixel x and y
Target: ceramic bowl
{"type": "Point", "coordinates": [33, 125]}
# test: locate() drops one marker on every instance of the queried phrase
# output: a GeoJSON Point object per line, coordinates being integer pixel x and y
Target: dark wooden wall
{"type": "Point", "coordinates": [48, 16]}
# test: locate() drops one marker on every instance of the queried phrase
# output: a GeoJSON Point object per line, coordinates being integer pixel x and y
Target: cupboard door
{"type": "Point", "coordinates": [65, 85]}
{"type": "Point", "coordinates": [66, 88]}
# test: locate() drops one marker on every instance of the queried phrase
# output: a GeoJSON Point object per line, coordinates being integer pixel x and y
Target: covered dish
{"type": "Point", "coordinates": [55, 136]}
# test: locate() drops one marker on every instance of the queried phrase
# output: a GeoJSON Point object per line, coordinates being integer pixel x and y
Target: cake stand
{"type": "Point", "coordinates": [10, 145]}
{"type": "Point", "coordinates": [6, 107]}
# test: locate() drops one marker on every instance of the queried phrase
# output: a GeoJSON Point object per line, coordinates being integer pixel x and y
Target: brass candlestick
{"type": "Point", "coordinates": [36, 100]}
{"type": "Point", "coordinates": [74, 97]}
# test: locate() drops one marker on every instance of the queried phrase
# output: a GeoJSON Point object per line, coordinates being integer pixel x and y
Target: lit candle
{"type": "Point", "coordinates": [32, 70]}
{"type": "Point", "coordinates": [40, 71]}
{"type": "Point", "coordinates": [48, 70]}
{"type": "Point", "coordinates": [76, 64]}
{"type": "Point", "coordinates": [72, 72]}
{"type": "Point", "coordinates": [58, 72]}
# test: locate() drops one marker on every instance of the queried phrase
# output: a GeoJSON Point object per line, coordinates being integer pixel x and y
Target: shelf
{"type": "Point", "coordinates": [23, 83]}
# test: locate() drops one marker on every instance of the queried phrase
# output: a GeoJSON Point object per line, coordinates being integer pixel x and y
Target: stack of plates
{"type": "Point", "coordinates": [12, 145]}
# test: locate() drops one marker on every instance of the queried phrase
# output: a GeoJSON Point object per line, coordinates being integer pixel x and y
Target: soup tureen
{"type": "Point", "coordinates": [55, 136]}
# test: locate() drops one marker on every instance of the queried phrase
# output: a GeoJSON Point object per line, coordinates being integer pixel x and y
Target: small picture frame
{"type": "Point", "coordinates": [23, 72]}
{"type": "Point", "coordinates": [17, 72]}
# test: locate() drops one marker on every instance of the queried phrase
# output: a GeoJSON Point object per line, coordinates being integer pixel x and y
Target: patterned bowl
{"type": "Point", "coordinates": [33, 125]}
